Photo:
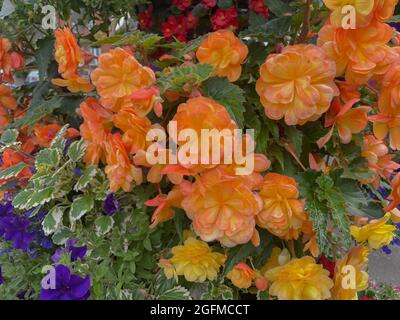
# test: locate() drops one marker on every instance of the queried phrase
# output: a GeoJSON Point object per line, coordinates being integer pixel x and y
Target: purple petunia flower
{"type": "Point", "coordinates": [395, 242]}
{"type": "Point", "coordinates": [76, 252]}
{"type": "Point", "coordinates": [6, 210]}
{"type": "Point", "coordinates": [16, 229]}
{"type": "Point", "coordinates": [111, 205]}
{"type": "Point", "coordinates": [77, 172]}
{"type": "Point", "coordinates": [395, 25]}
{"type": "Point", "coordinates": [386, 250]}
{"type": "Point", "coordinates": [1, 277]}
{"type": "Point", "coordinates": [68, 286]}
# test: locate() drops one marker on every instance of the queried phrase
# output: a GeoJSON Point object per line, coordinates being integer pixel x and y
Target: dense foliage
{"type": "Point", "coordinates": [81, 201]}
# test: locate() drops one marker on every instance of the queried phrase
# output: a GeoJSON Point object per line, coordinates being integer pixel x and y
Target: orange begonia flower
{"type": "Point", "coordinates": [347, 91]}
{"type": "Point", "coordinates": [222, 208]}
{"type": "Point", "coordinates": [225, 52]}
{"type": "Point", "coordinates": [348, 121]}
{"type": "Point", "coordinates": [6, 98]}
{"type": "Point", "coordinates": [282, 213]}
{"type": "Point", "coordinates": [384, 9]}
{"type": "Point", "coordinates": [11, 158]}
{"type": "Point", "coordinates": [394, 196]}
{"type": "Point", "coordinates": [95, 129]}
{"type": "Point", "coordinates": [389, 97]}
{"type": "Point", "coordinates": [242, 275]}
{"type": "Point", "coordinates": [310, 238]}
{"type": "Point", "coordinates": [119, 75]}
{"type": "Point", "coordinates": [199, 114]}
{"type": "Point", "coordinates": [359, 53]}
{"type": "Point", "coordinates": [358, 259]}
{"type": "Point", "coordinates": [297, 84]}
{"type": "Point", "coordinates": [74, 83]}
{"type": "Point", "coordinates": [9, 60]}
{"type": "Point", "coordinates": [135, 129]}
{"type": "Point", "coordinates": [120, 171]}
{"type": "Point", "coordinates": [44, 134]}
{"type": "Point", "coordinates": [387, 123]}
{"type": "Point", "coordinates": [68, 54]}
{"type": "Point", "coordinates": [365, 11]}
{"type": "Point", "coordinates": [379, 160]}
{"type": "Point", "coordinates": [5, 59]}
{"type": "Point", "coordinates": [165, 205]}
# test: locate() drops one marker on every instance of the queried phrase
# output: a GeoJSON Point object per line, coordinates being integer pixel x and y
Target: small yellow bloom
{"type": "Point", "coordinates": [168, 269]}
{"type": "Point", "coordinates": [196, 261]}
{"type": "Point", "coordinates": [346, 289]}
{"type": "Point", "coordinates": [300, 279]}
{"type": "Point", "coordinates": [378, 233]}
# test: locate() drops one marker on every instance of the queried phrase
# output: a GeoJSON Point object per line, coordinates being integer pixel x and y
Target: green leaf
{"type": "Point", "coordinates": [49, 157]}
{"type": "Point", "coordinates": [225, 4]}
{"type": "Point", "coordinates": [44, 55]}
{"type": "Point", "coordinates": [175, 78]}
{"type": "Point", "coordinates": [81, 206]}
{"type": "Point", "coordinates": [76, 151]}
{"type": "Point", "coordinates": [40, 197]}
{"type": "Point", "coordinates": [13, 171]}
{"type": "Point", "coordinates": [103, 225]}
{"type": "Point", "coordinates": [238, 254]}
{"type": "Point", "coordinates": [229, 95]}
{"type": "Point", "coordinates": [177, 293]}
{"type": "Point", "coordinates": [58, 141]}
{"type": "Point", "coordinates": [9, 136]}
{"type": "Point", "coordinates": [85, 178]}
{"type": "Point", "coordinates": [295, 137]}
{"type": "Point", "coordinates": [61, 236]}
{"type": "Point", "coordinates": [53, 220]}
{"type": "Point", "coordinates": [37, 112]}
{"type": "Point", "coordinates": [336, 202]}
{"type": "Point", "coordinates": [318, 210]}
{"type": "Point", "coordinates": [278, 7]}
{"type": "Point", "coordinates": [21, 199]}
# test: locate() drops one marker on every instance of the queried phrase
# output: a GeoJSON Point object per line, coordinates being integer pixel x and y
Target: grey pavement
{"type": "Point", "coordinates": [385, 268]}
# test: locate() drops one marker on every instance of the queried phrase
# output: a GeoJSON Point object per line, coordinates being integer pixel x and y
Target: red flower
{"type": "Point", "coordinates": [145, 18]}
{"type": "Point", "coordinates": [328, 265]}
{"type": "Point", "coordinates": [225, 18]}
{"type": "Point", "coordinates": [209, 3]}
{"type": "Point", "coordinates": [174, 27]}
{"type": "Point", "coordinates": [259, 7]}
{"type": "Point", "coordinates": [190, 21]}
{"type": "Point", "coordinates": [182, 4]}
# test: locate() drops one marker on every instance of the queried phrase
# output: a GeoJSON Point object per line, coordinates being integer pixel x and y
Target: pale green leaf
{"type": "Point", "coordinates": [13, 171]}
{"type": "Point", "coordinates": [177, 293]}
{"type": "Point", "coordinates": [53, 220]}
{"type": "Point", "coordinates": [80, 207]}
{"type": "Point", "coordinates": [103, 225]}
{"type": "Point", "coordinates": [76, 151]}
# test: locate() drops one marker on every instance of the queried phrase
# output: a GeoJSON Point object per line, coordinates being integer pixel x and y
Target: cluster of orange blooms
{"type": "Point", "coordinates": [10, 110]}
{"type": "Point", "coordinates": [298, 85]}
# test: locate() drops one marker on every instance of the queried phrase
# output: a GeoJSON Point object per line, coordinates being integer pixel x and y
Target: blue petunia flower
{"type": "Point", "coordinates": [76, 252]}
{"type": "Point", "coordinates": [386, 250]}
{"type": "Point", "coordinates": [68, 286]}
{"type": "Point", "coordinates": [16, 229]}
{"type": "Point", "coordinates": [111, 205]}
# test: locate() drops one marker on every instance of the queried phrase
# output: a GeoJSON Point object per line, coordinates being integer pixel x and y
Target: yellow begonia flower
{"type": "Point", "coordinates": [378, 233]}
{"type": "Point", "coordinates": [300, 279]}
{"type": "Point", "coordinates": [196, 261]}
